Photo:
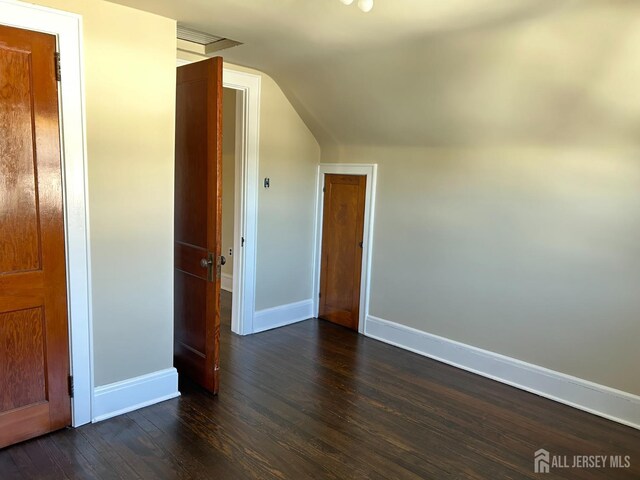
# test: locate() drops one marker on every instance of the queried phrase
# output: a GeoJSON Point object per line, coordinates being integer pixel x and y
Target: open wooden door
{"type": "Point", "coordinates": [198, 220]}
{"type": "Point", "coordinates": [34, 335]}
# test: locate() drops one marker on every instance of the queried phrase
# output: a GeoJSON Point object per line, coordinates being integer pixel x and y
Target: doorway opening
{"type": "Point", "coordinates": [242, 282]}
{"type": "Point", "coordinates": [229, 156]}
{"type": "Point", "coordinates": [245, 195]}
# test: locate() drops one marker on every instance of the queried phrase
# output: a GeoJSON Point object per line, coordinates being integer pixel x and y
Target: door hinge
{"type": "Point", "coordinates": [320, 295]}
{"type": "Point", "coordinates": [242, 242]}
{"type": "Point", "coordinates": [70, 379]}
{"type": "Point", "coordinates": [56, 57]}
{"type": "Point", "coordinates": [324, 189]}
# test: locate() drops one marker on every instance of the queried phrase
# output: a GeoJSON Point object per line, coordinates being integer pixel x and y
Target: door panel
{"type": "Point", "coordinates": [34, 338]}
{"type": "Point", "coordinates": [198, 218]}
{"type": "Point", "coordinates": [21, 244]}
{"type": "Point", "coordinates": [341, 261]}
{"type": "Point", "coordinates": [22, 355]}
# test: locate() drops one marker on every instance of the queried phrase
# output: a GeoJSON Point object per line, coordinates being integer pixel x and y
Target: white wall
{"type": "Point", "coordinates": [129, 61]}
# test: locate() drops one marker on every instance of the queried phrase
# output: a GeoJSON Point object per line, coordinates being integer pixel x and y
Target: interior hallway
{"type": "Point", "coordinates": [314, 400]}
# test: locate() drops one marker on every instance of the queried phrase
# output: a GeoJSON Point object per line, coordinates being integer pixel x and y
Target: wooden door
{"type": "Point", "coordinates": [198, 220]}
{"type": "Point", "coordinates": [342, 236]}
{"type": "Point", "coordinates": [34, 336]}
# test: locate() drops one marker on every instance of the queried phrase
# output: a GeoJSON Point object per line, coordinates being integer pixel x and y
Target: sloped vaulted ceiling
{"type": "Point", "coordinates": [433, 72]}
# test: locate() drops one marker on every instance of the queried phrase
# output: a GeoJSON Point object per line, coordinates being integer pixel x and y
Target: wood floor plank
{"type": "Point", "coordinates": [33, 462]}
{"type": "Point", "coordinates": [73, 443]}
{"type": "Point", "coordinates": [71, 460]}
{"type": "Point", "coordinates": [8, 467]}
{"type": "Point", "coordinates": [364, 420]}
{"type": "Point", "coordinates": [99, 442]}
{"type": "Point", "coordinates": [317, 401]}
{"type": "Point", "coordinates": [187, 445]}
{"type": "Point", "coordinates": [137, 450]}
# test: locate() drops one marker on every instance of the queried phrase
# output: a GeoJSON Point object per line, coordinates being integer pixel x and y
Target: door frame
{"type": "Point", "coordinates": [67, 27]}
{"type": "Point", "coordinates": [248, 87]}
{"type": "Point", "coordinates": [371, 172]}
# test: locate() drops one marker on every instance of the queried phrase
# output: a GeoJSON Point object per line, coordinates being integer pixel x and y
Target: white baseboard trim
{"type": "Point", "coordinates": [616, 405]}
{"type": "Point", "coordinates": [129, 395]}
{"type": "Point", "coordinates": [226, 282]}
{"type": "Point", "coordinates": [282, 315]}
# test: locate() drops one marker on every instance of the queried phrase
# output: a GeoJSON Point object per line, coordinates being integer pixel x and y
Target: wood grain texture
{"type": "Point", "coordinates": [22, 359]}
{"type": "Point", "coordinates": [190, 318]}
{"type": "Point", "coordinates": [198, 221]}
{"type": "Point", "coordinates": [341, 260]}
{"type": "Point", "coordinates": [20, 241]}
{"type": "Point", "coordinates": [314, 400]}
{"type": "Point", "coordinates": [33, 299]}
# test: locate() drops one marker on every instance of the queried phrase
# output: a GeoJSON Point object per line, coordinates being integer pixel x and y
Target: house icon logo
{"type": "Point", "coordinates": [541, 461]}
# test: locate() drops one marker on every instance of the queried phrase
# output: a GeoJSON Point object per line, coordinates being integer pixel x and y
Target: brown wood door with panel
{"type": "Point", "coordinates": [198, 221]}
{"type": "Point", "coordinates": [341, 259]}
{"type": "Point", "coordinates": [34, 333]}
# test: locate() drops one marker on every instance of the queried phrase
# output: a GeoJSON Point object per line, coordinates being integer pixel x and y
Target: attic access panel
{"type": "Point", "coordinates": [195, 41]}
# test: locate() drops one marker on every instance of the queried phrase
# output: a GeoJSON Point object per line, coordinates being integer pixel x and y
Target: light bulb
{"type": "Point", "coordinates": [365, 5]}
{"type": "Point", "coordinates": [347, 2]}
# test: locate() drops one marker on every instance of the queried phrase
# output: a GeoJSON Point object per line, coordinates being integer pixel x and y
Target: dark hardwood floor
{"type": "Point", "coordinates": [314, 400]}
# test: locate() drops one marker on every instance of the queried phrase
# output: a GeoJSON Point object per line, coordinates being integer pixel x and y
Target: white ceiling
{"type": "Point", "coordinates": [435, 72]}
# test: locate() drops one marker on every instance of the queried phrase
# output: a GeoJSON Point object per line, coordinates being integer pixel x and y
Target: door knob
{"type": "Point", "coordinates": [205, 263]}
{"type": "Point", "coordinates": [223, 260]}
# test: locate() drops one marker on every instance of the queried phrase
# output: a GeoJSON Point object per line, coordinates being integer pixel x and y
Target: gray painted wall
{"type": "Point", "coordinates": [533, 253]}
{"type": "Point", "coordinates": [518, 229]}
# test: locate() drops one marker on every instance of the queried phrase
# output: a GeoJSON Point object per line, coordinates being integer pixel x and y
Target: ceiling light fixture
{"type": "Point", "coordinates": [365, 5]}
